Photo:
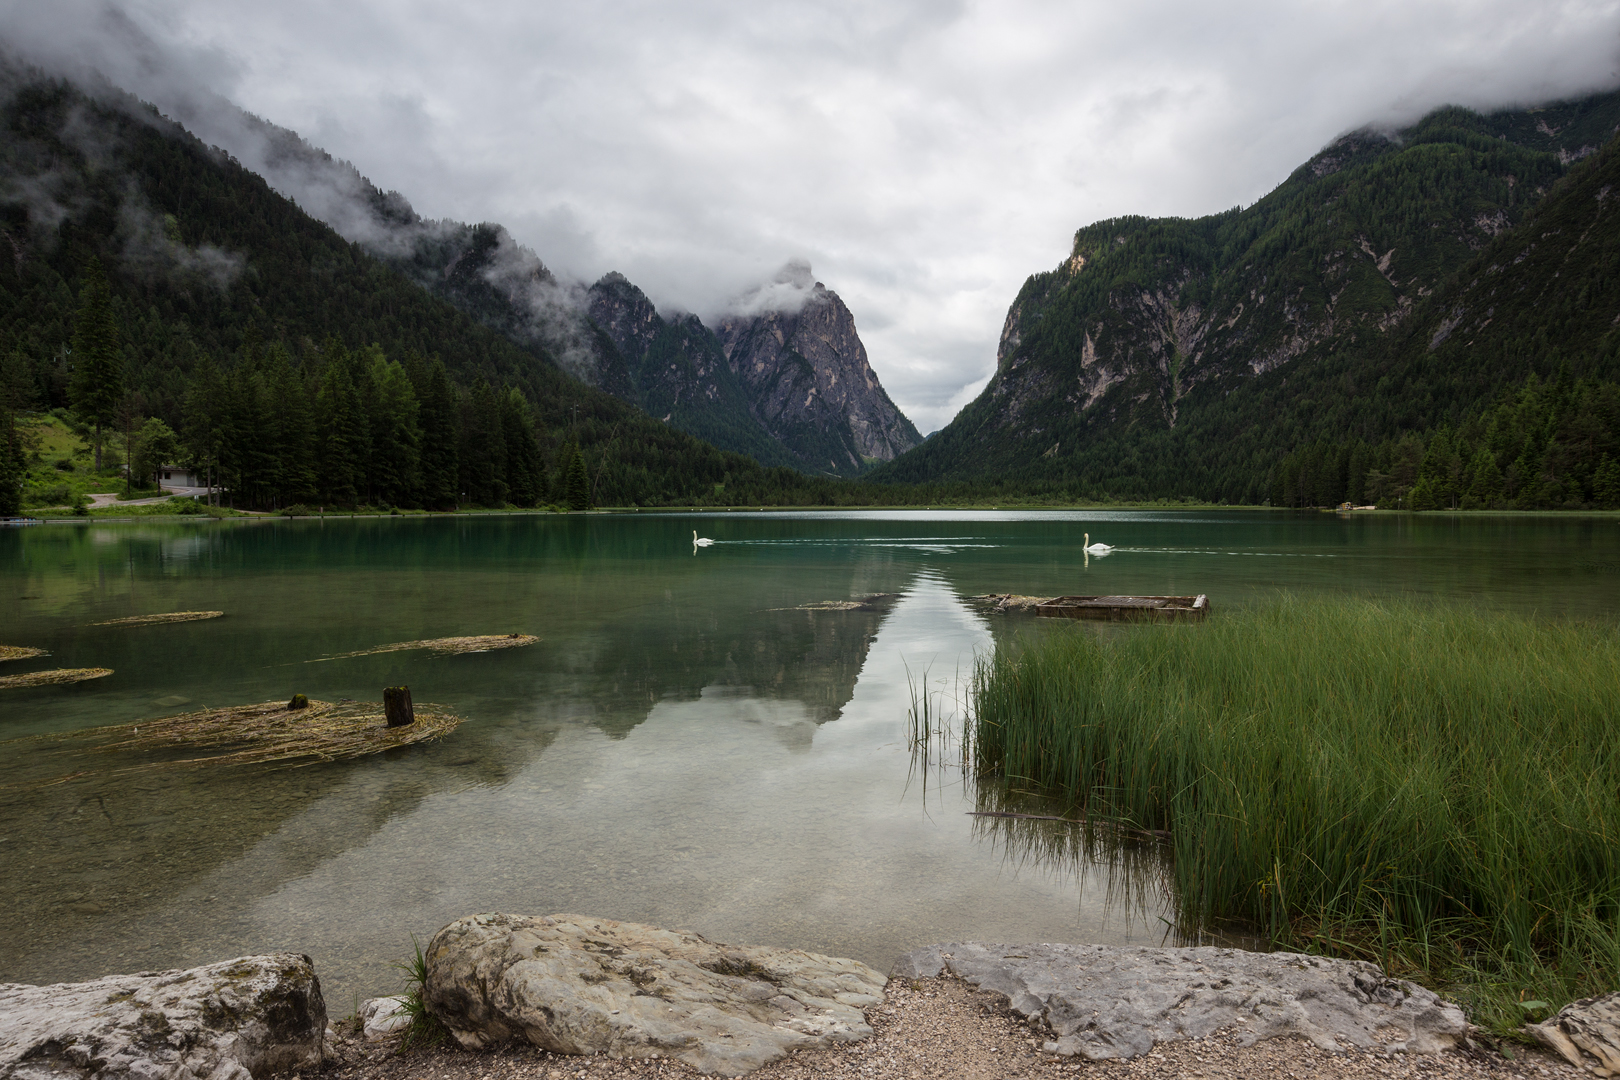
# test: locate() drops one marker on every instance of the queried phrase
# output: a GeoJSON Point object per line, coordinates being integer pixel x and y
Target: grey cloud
{"type": "Point", "coordinates": [926, 157]}
{"type": "Point", "coordinates": [787, 291]}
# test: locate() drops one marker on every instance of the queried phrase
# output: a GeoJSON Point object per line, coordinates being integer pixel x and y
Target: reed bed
{"type": "Point", "coordinates": [158, 620]}
{"type": "Point", "coordinates": [446, 646]}
{"type": "Point", "coordinates": [19, 652]}
{"type": "Point", "coordinates": [1432, 787]}
{"type": "Point", "coordinates": [53, 677]}
{"type": "Point", "coordinates": [271, 732]}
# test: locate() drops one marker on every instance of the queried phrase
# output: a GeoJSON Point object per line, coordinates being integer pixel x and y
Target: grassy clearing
{"type": "Point", "coordinates": [1434, 788]}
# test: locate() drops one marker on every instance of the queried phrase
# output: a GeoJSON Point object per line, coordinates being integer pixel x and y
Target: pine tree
{"type": "Point", "coordinates": [339, 427]}
{"type": "Point", "coordinates": [577, 484]}
{"type": "Point", "coordinates": [395, 435]}
{"type": "Point", "coordinates": [439, 463]}
{"type": "Point", "coordinates": [155, 445]}
{"type": "Point", "coordinates": [202, 430]}
{"type": "Point", "coordinates": [15, 391]}
{"type": "Point", "coordinates": [525, 476]}
{"type": "Point", "coordinates": [292, 419]}
{"type": "Point", "coordinates": [1606, 484]}
{"type": "Point", "coordinates": [97, 385]}
{"type": "Point", "coordinates": [483, 449]}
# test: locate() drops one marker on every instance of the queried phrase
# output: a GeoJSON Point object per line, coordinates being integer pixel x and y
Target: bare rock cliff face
{"type": "Point", "coordinates": [808, 380]}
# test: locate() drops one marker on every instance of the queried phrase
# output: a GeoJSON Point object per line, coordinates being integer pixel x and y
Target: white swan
{"type": "Point", "coordinates": [700, 541]}
{"type": "Point", "coordinates": [1090, 548]}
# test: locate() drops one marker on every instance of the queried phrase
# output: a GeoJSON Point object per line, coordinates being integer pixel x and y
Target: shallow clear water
{"type": "Point", "coordinates": [685, 746]}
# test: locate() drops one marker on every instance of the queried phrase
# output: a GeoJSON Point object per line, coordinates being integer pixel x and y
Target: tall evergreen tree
{"type": "Point", "coordinates": [203, 428]}
{"type": "Point", "coordinates": [439, 460]}
{"type": "Point", "coordinates": [577, 483]}
{"type": "Point", "coordinates": [97, 385]}
{"type": "Point", "coordinates": [525, 475]}
{"type": "Point", "coordinates": [483, 450]}
{"type": "Point", "coordinates": [16, 388]}
{"type": "Point", "coordinates": [395, 434]}
{"type": "Point", "coordinates": [292, 425]}
{"type": "Point", "coordinates": [340, 431]}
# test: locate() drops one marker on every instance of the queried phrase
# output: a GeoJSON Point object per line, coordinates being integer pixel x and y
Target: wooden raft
{"type": "Point", "coordinates": [1145, 608]}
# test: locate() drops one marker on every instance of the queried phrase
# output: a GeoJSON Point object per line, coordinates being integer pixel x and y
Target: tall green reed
{"type": "Point", "coordinates": [1431, 786]}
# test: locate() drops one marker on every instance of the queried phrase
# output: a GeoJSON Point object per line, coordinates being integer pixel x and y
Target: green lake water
{"type": "Point", "coordinates": [686, 745]}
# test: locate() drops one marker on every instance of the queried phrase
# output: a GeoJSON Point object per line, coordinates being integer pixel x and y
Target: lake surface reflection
{"type": "Point", "coordinates": [688, 744]}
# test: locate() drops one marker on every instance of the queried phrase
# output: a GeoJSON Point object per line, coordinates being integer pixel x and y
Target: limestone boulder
{"type": "Point", "coordinates": [1120, 1001]}
{"type": "Point", "coordinates": [1586, 1033]}
{"type": "Point", "coordinates": [577, 985]}
{"type": "Point", "coordinates": [250, 1017]}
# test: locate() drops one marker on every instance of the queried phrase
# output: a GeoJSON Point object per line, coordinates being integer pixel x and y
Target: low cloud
{"type": "Point", "coordinates": [151, 246]}
{"type": "Point", "coordinates": [787, 291]}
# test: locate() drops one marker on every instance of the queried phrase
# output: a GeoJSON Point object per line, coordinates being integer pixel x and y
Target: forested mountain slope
{"type": "Point", "coordinates": [1186, 357]}
{"type": "Point", "coordinates": [847, 420]}
{"type": "Point", "coordinates": [208, 267]}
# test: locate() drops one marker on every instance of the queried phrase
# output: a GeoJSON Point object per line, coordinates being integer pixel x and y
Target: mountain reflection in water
{"type": "Point", "coordinates": [718, 747]}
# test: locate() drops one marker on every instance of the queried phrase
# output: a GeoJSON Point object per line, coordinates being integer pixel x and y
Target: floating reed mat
{"type": "Point", "coordinates": [19, 652]}
{"type": "Point", "coordinates": [155, 620]}
{"type": "Point", "coordinates": [54, 677]}
{"type": "Point", "coordinates": [444, 646]}
{"type": "Point", "coordinates": [251, 734]}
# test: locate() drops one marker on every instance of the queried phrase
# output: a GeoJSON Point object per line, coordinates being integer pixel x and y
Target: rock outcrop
{"type": "Point", "coordinates": [677, 372]}
{"type": "Point", "coordinates": [1119, 1002]}
{"type": "Point", "coordinates": [577, 985]}
{"type": "Point", "coordinates": [788, 382]}
{"type": "Point", "coordinates": [250, 1017]}
{"type": "Point", "coordinates": [808, 380]}
{"type": "Point", "coordinates": [1586, 1033]}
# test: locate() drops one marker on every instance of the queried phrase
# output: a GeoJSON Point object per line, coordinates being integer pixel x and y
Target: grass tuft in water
{"type": "Point", "coordinates": [1430, 787]}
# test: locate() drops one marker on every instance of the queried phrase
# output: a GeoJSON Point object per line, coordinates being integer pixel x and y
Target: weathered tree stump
{"type": "Point", "coordinates": [397, 706]}
{"type": "Point", "coordinates": [299, 701]}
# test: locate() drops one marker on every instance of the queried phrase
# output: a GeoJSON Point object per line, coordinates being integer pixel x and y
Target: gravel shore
{"type": "Point", "coordinates": [943, 1028]}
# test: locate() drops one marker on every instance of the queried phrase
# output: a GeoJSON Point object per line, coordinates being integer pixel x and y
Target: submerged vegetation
{"type": "Point", "coordinates": [1434, 788]}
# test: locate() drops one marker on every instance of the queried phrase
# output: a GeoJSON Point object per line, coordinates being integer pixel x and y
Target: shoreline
{"type": "Point", "coordinates": [941, 1027]}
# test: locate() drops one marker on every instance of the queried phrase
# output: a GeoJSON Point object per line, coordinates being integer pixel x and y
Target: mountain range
{"type": "Point", "coordinates": [782, 377]}
{"type": "Point", "coordinates": [1396, 281]}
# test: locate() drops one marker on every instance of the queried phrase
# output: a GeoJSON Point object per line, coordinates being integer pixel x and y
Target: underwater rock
{"type": "Point", "coordinates": [576, 985]}
{"type": "Point", "coordinates": [1104, 1001]}
{"type": "Point", "coordinates": [250, 1017]}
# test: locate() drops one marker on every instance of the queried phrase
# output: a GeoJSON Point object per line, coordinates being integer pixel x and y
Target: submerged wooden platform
{"type": "Point", "coordinates": [1147, 608]}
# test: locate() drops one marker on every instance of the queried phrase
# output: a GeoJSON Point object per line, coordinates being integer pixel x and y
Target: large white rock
{"type": "Point", "coordinates": [383, 1018]}
{"type": "Point", "coordinates": [576, 985]}
{"type": "Point", "coordinates": [249, 1017]}
{"type": "Point", "coordinates": [1119, 1001]}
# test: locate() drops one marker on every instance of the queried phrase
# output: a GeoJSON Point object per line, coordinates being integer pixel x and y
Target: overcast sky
{"type": "Point", "coordinates": [924, 156]}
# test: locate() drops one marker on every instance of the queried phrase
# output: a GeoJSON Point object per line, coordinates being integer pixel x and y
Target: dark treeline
{"type": "Point", "coordinates": [346, 428]}
{"type": "Point", "coordinates": [1545, 446]}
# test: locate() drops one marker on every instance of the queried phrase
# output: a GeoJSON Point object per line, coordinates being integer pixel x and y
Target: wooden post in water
{"type": "Point", "coordinates": [397, 706]}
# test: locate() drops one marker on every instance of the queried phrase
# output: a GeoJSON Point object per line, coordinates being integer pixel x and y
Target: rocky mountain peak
{"type": "Point", "coordinates": [794, 347]}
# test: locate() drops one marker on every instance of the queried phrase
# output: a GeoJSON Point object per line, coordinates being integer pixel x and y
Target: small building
{"type": "Point", "coordinates": [179, 476]}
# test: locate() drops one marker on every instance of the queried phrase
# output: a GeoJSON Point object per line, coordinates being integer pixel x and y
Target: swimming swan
{"type": "Point", "coordinates": [1090, 548]}
{"type": "Point", "coordinates": [700, 541]}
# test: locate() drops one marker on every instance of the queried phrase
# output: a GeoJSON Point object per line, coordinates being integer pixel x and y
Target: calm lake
{"type": "Point", "coordinates": [687, 745]}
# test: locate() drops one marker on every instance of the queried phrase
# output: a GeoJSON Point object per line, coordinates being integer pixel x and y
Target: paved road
{"type": "Point", "coordinates": [110, 498]}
